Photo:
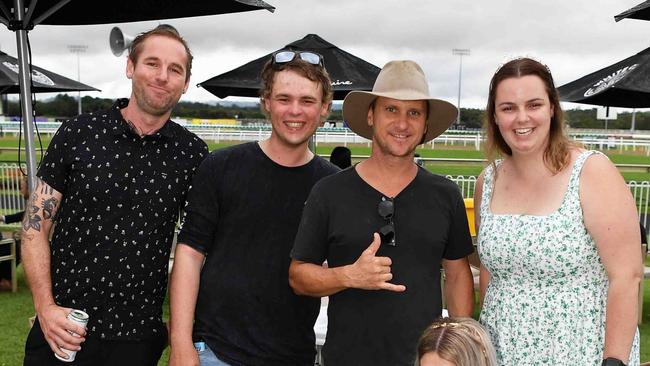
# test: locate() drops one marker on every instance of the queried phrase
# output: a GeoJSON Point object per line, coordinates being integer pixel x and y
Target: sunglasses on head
{"type": "Point", "coordinates": [386, 210]}
{"type": "Point", "coordinates": [285, 56]}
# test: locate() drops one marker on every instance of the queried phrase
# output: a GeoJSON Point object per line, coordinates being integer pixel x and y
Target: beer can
{"type": "Point", "coordinates": [81, 318]}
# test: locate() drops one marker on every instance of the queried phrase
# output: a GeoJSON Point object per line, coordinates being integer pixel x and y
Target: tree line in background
{"type": "Point", "coordinates": [65, 106]}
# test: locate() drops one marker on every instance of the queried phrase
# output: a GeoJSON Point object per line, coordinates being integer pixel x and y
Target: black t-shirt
{"type": "Point", "coordinates": [381, 327]}
{"type": "Point", "coordinates": [113, 232]}
{"type": "Point", "coordinates": [243, 213]}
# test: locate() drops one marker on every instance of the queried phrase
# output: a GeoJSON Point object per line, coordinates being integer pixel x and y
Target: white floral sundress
{"type": "Point", "coordinates": [545, 302]}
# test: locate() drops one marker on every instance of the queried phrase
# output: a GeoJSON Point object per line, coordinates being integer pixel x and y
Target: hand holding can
{"type": "Point", "coordinates": [80, 318]}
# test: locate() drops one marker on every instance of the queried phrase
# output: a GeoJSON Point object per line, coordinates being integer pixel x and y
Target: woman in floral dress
{"type": "Point", "coordinates": [558, 235]}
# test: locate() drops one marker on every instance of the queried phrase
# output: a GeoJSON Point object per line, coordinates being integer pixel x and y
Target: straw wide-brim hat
{"type": "Point", "coordinates": [402, 80]}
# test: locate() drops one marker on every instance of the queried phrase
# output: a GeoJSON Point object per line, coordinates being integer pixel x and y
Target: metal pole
{"type": "Point", "coordinates": [26, 96]}
{"type": "Point", "coordinates": [79, 80]}
{"type": "Point", "coordinates": [312, 143]}
{"type": "Point", "coordinates": [77, 49]}
{"type": "Point", "coordinates": [460, 52]}
{"type": "Point", "coordinates": [632, 126]}
{"type": "Point", "coordinates": [460, 78]}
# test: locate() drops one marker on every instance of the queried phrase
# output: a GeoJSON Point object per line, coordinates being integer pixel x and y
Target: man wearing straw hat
{"type": "Point", "coordinates": [385, 229]}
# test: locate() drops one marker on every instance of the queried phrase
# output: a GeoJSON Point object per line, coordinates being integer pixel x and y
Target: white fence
{"type": "Point", "coordinates": [598, 139]}
{"type": "Point", "coordinates": [343, 136]}
{"type": "Point", "coordinates": [323, 136]}
{"type": "Point", "coordinates": [466, 185]}
{"type": "Point", "coordinates": [592, 139]}
{"type": "Point", "coordinates": [10, 198]}
{"type": "Point", "coordinates": [640, 191]}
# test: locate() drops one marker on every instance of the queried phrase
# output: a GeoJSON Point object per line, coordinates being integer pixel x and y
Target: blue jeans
{"type": "Point", "coordinates": [206, 356]}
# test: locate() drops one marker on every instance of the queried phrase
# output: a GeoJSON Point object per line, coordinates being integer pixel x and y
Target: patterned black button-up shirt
{"type": "Point", "coordinates": [114, 228]}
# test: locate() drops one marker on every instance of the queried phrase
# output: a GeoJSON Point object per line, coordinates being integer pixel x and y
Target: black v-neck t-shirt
{"type": "Point", "coordinates": [381, 327]}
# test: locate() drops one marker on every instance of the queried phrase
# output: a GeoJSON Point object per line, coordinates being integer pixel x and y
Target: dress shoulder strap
{"type": "Point", "coordinates": [488, 186]}
{"type": "Point", "coordinates": [574, 181]}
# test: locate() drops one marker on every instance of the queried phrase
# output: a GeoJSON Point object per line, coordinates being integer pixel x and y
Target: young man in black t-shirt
{"type": "Point", "coordinates": [385, 228]}
{"type": "Point", "coordinates": [242, 216]}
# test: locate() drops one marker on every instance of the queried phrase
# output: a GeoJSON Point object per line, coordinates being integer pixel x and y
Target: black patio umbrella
{"type": "Point", "coordinates": [78, 12]}
{"type": "Point", "coordinates": [43, 81]}
{"type": "Point", "coordinates": [624, 84]}
{"type": "Point", "coordinates": [347, 71]}
{"type": "Point", "coordinates": [22, 15]}
{"type": "Point", "coordinates": [641, 11]}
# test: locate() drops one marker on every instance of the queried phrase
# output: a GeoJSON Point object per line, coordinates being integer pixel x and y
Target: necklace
{"type": "Point", "coordinates": [140, 132]}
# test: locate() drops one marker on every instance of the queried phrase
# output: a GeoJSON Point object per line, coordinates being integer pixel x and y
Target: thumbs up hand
{"type": "Point", "coordinates": [370, 272]}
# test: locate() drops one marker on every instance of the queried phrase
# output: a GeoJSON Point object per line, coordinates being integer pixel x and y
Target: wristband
{"type": "Point", "coordinates": [611, 361]}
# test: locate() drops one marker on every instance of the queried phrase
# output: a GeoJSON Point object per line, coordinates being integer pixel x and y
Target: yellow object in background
{"type": "Point", "coordinates": [215, 121]}
{"type": "Point", "coordinates": [469, 208]}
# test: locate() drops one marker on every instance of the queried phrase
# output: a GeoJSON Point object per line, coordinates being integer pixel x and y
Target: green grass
{"type": "Point", "coordinates": [11, 141]}
{"type": "Point", "coordinates": [16, 309]}
{"type": "Point", "coordinates": [451, 153]}
{"type": "Point", "coordinates": [629, 158]}
{"type": "Point", "coordinates": [635, 176]}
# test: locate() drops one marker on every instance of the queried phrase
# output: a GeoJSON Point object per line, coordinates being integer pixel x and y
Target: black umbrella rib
{"type": "Point", "coordinates": [30, 12]}
{"type": "Point", "coordinates": [258, 3]}
{"type": "Point", "coordinates": [7, 14]}
{"type": "Point", "coordinates": [638, 12]}
{"type": "Point", "coordinates": [48, 12]}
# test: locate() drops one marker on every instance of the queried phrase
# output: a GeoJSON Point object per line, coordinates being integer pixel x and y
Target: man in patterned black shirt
{"type": "Point", "coordinates": [112, 184]}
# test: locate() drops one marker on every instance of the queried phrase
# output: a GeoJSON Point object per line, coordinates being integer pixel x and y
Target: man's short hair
{"type": "Point", "coordinates": [315, 73]}
{"type": "Point", "coordinates": [164, 30]}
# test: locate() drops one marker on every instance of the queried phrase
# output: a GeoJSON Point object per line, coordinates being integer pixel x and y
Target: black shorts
{"type": "Point", "coordinates": [95, 351]}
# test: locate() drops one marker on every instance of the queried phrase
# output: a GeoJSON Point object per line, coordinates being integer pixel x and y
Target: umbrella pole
{"type": "Point", "coordinates": [312, 143]}
{"type": "Point", "coordinates": [26, 96]}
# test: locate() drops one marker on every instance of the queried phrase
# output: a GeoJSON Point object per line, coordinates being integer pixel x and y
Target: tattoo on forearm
{"type": "Point", "coordinates": [48, 207]}
{"type": "Point", "coordinates": [32, 218]}
{"type": "Point", "coordinates": [45, 188]}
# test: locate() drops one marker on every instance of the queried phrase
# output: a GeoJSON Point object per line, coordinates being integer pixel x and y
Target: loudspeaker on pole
{"type": "Point", "coordinates": [119, 41]}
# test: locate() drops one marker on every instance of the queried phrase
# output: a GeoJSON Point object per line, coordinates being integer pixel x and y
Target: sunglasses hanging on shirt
{"type": "Point", "coordinates": [386, 209]}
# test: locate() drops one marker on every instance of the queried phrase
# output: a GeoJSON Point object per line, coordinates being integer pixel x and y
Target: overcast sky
{"type": "Point", "coordinates": [573, 38]}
